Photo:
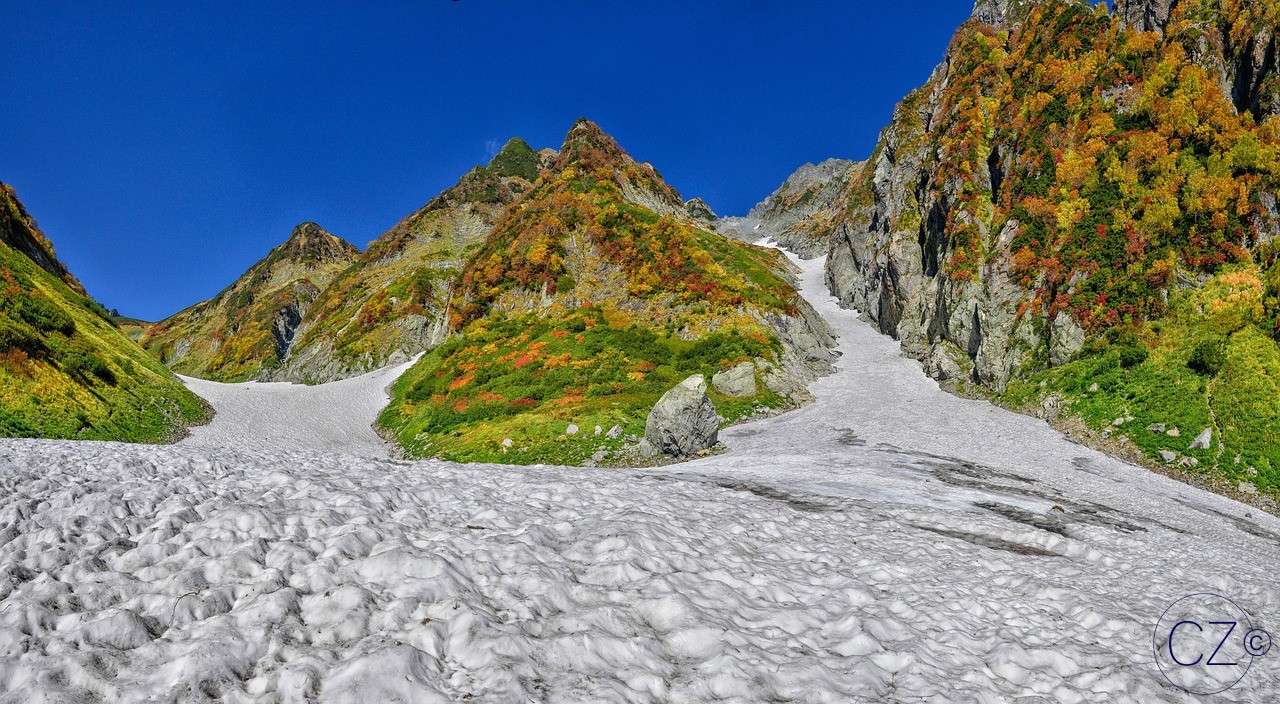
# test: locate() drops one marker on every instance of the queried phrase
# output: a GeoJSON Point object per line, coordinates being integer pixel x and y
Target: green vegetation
{"type": "Point", "coordinates": [1209, 364]}
{"type": "Point", "coordinates": [527, 377]}
{"type": "Point", "coordinates": [516, 159]}
{"type": "Point", "coordinates": [66, 371]}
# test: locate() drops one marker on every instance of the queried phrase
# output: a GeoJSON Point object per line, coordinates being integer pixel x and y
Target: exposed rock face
{"type": "Point", "coordinates": [886, 259]}
{"type": "Point", "coordinates": [684, 421]}
{"type": "Point", "coordinates": [1146, 15]}
{"type": "Point", "coordinates": [802, 213]}
{"type": "Point", "coordinates": [698, 209]}
{"type": "Point", "coordinates": [737, 381]}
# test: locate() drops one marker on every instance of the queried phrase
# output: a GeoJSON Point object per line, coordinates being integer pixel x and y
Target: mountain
{"type": "Point", "coordinates": [1076, 213]}
{"type": "Point", "coordinates": [802, 213]}
{"type": "Point", "coordinates": [66, 370]}
{"type": "Point", "coordinates": [595, 293]}
{"type": "Point", "coordinates": [392, 302]}
{"type": "Point", "coordinates": [246, 330]}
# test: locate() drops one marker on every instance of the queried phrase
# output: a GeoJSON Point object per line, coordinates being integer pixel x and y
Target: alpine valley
{"type": "Point", "coordinates": [1074, 216]}
{"type": "Point", "coordinates": [955, 420]}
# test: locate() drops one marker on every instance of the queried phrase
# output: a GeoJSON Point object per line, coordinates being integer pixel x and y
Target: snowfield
{"type": "Point", "coordinates": [890, 542]}
{"type": "Point", "coordinates": [334, 417]}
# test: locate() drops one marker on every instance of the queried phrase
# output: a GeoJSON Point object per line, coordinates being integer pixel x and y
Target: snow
{"type": "Point", "coordinates": [335, 417]}
{"type": "Point", "coordinates": [890, 542]}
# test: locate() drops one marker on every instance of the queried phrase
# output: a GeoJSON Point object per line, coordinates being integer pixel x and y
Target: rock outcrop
{"type": "Point", "coordinates": [802, 213]}
{"type": "Point", "coordinates": [684, 421]}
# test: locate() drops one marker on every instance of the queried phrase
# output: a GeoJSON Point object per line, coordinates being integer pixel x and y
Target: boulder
{"type": "Point", "coordinates": [739, 382]}
{"type": "Point", "coordinates": [684, 420]}
{"type": "Point", "coordinates": [1203, 440]}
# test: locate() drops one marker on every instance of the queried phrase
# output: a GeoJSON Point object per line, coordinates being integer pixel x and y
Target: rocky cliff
{"type": "Point", "coordinates": [248, 329]}
{"type": "Point", "coordinates": [66, 369]}
{"type": "Point", "coordinates": [1067, 189]}
{"type": "Point", "coordinates": [802, 213]}
{"type": "Point", "coordinates": [1234, 39]}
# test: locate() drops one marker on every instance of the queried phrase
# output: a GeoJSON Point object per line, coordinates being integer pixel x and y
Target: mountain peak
{"type": "Point", "coordinates": [516, 158]}
{"type": "Point", "coordinates": [589, 145]}
{"type": "Point", "coordinates": [310, 242]}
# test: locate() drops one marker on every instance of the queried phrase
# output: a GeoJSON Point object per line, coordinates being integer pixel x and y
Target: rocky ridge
{"type": "Point", "coordinates": [393, 302]}
{"type": "Point", "coordinates": [802, 213]}
{"type": "Point", "coordinates": [248, 329]}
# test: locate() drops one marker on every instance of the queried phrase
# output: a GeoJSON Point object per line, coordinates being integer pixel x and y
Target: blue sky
{"type": "Point", "coordinates": [165, 147]}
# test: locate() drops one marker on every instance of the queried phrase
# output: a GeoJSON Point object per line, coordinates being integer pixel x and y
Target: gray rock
{"type": "Point", "coordinates": [1051, 407]}
{"type": "Point", "coordinates": [1065, 339]}
{"type": "Point", "coordinates": [1173, 432]}
{"type": "Point", "coordinates": [796, 216]}
{"type": "Point", "coordinates": [647, 450]}
{"type": "Point", "coordinates": [1247, 488]}
{"type": "Point", "coordinates": [698, 209]}
{"type": "Point", "coordinates": [684, 420]}
{"type": "Point", "coordinates": [1156, 428]}
{"type": "Point", "coordinates": [572, 429]}
{"type": "Point", "coordinates": [1204, 440]}
{"type": "Point", "coordinates": [1188, 462]}
{"type": "Point", "coordinates": [947, 362]}
{"type": "Point", "coordinates": [1169, 456]}
{"type": "Point", "coordinates": [739, 382]}
{"type": "Point", "coordinates": [614, 432]}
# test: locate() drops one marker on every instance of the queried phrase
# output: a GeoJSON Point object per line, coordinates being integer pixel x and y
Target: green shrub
{"type": "Point", "coordinates": [1131, 355]}
{"type": "Point", "coordinates": [17, 336]}
{"type": "Point", "coordinates": [1208, 357]}
{"type": "Point", "coordinates": [85, 365]}
{"type": "Point", "coordinates": [45, 316]}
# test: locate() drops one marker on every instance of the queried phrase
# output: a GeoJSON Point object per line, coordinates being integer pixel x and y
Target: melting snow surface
{"type": "Point", "coordinates": [890, 542]}
{"type": "Point", "coordinates": [334, 417]}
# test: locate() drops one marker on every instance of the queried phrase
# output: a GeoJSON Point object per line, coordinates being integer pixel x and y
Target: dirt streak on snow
{"type": "Point", "coordinates": [888, 543]}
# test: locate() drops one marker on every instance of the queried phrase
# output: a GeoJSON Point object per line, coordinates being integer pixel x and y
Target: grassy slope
{"type": "Point", "coordinates": [1209, 364]}
{"type": "Point", "coordinates": [584, 308]}
{"type": "Point", "coordinates": [67, 372]}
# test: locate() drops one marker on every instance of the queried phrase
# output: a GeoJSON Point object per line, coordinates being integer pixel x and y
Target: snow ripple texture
{"type": "Point", "coordinates": [889, 543]}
